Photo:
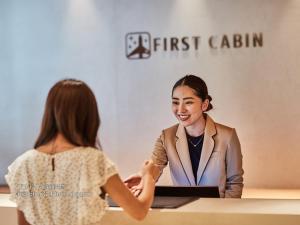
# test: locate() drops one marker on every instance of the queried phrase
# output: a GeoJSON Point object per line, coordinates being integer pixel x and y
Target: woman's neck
{"type": "Point", "coordinates": [59, 139]}
{"type": "Point", "coordinates": [58, 144]}
{"type": "Point", "coordinates": [196, 129]}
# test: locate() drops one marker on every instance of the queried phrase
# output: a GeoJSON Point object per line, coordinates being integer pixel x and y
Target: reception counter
{"type": "Point", "coordinates": [204, 211]}
{"type": "Point", "coordinates": [218, 212]}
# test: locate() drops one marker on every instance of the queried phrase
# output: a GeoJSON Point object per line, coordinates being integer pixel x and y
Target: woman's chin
{"type": "Point", "coordinates": [184, 123]}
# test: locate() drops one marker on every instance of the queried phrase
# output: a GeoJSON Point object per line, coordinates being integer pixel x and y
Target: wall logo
{"type": "Point", "coordinates": [138, 45]}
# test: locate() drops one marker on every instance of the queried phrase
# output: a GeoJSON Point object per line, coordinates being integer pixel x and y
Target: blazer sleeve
{"type": "Point", "coordinates": [234, 168]}
{"type": "Point", "coordinates": [159, 154]}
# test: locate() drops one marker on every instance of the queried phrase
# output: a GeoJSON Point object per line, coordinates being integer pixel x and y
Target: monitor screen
{"type": "Point", "coordinates": [176, 196]}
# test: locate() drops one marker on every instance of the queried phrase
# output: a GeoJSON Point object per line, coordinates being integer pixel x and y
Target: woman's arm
{"type": "Point", "coordinates": [234, 180]}
{"type": "Point", "coordinates": [21, 218]}
{"type": "Point", "coordinates": [135, 207]}
{"type": "Point", "coordinates": [159, 154]}
{"type": "Point", "coordinates": [160, 159]}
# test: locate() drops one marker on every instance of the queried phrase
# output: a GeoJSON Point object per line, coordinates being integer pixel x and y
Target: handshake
{"type": "Point", "coordinates": [135, 182]}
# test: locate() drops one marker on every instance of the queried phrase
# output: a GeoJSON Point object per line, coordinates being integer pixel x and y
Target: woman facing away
{"type": "Point", "coordinates": [61, 179]}
{"type": "Point", "coordinates": [199, 151]}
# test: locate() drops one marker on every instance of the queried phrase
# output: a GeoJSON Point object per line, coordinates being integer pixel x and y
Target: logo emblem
{"type": "Point", "coordinates": [138, 45]}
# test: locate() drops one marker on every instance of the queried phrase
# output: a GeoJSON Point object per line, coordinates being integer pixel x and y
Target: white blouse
{"type": "Point", "coordinates": [69, 194]}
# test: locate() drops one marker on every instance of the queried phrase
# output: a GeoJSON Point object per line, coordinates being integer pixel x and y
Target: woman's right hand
{"type": "Point", "coordinates": [150, 168]}
{"type": "Point", "coordinates": [135, 182]}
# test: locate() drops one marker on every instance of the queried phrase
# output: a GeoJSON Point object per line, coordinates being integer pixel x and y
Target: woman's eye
{"type": "Point", "coordinates": [189, 103]}
{"type": "Point", "coordinates": [175, 103]}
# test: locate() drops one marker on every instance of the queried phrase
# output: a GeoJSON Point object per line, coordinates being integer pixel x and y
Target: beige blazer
{"type": "Point", "coordinates": [220, 163]}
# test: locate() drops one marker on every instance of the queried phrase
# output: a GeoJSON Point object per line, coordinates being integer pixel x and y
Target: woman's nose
{"type": "Point", "coordinates": [181, 108]}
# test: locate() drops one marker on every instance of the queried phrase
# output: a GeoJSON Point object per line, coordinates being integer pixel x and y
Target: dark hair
{"type": "Point", "coordinates": [198, 85]}
{"type": "Point", "coordinates": [71, 109]}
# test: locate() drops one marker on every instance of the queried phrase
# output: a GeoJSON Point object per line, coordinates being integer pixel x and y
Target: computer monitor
{"type": "Point", "coordinates": [186, 191]}
{"type": "Point", "coordinates": [176, 196]}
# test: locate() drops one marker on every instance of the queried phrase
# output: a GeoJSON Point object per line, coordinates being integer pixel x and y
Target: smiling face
{"type": "Point", "coordinates": [188, 107]}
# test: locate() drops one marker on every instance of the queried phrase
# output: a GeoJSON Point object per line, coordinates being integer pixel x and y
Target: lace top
{"type": "Point", "coordinates": [68, 195]}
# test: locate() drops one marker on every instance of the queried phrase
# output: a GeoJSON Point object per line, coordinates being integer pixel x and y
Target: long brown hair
{"type": "Point", "coordinates": [71, 109]}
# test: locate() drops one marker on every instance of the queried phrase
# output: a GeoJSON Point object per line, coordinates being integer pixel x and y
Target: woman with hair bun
{"type": "Point", "coordinates": [199, 151]}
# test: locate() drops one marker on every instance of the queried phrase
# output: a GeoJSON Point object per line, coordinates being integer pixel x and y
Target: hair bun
{"type": "Point", "coordinates": [209, 97]}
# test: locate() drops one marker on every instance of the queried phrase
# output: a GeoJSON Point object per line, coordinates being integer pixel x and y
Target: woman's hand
{"type": "Point", "coordinates": [150, 168]}
{"type": "Point", "coordinates": [141, 186]}
{"type": "Point", "coordinates": [135, 181]}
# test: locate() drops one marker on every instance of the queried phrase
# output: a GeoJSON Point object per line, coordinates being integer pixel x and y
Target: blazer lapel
{"type": "Point", "coordinates": [208, 146]}
{"type": "Point", "coordinates": [184, 155]}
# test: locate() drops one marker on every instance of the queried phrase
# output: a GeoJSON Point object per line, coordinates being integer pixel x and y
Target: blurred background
{"type": "Point", "coordinates": [246, 51]}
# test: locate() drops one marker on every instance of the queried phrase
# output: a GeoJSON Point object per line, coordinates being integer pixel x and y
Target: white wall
{"type": "Point", "coordinates": [41, 43]}
{"type": "Point", "coordinates": [254, 90]}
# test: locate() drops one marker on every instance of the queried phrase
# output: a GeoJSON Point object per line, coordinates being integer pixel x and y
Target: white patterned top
{"type": "Point", "coordinates": [67, 195]}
